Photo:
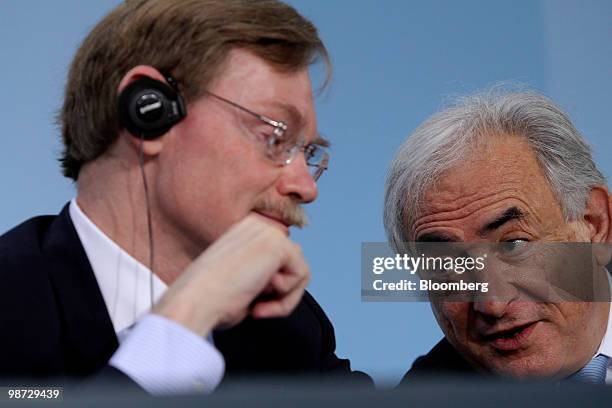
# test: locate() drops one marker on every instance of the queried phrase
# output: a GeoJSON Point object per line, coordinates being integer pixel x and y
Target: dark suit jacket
{"type": "Point", "coordinates": [53, 320]}
{"type": "Point", "coordinates": [441, 361]}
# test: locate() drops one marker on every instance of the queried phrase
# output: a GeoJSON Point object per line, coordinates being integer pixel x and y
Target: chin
{"type": "Point", "coordinates": [523, 366]}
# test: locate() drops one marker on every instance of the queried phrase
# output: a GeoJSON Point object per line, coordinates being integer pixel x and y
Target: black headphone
{"type": "Point", "coordinates": [149, 108]}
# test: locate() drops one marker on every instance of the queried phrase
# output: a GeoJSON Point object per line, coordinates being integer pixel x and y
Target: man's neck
{"type": "Point", "coordinates": [114, 201]}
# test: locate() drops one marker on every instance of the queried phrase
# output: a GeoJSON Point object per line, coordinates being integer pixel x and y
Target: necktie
{"type": "Point", "coordinates": [593, 373]}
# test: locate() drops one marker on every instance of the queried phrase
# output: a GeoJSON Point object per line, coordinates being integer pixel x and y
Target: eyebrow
{"type": "Point", "coordinates": [296, 120]}
{"type": "Point", "coordinates": [511, 214]}
{"type": "Point", "coordinates": [295, 117]}
{"type": "Point", "coordinates": [321, 141]}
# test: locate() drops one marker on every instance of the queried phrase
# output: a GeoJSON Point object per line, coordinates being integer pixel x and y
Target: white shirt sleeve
{"type": "Point", "coordinates": [166, 358]}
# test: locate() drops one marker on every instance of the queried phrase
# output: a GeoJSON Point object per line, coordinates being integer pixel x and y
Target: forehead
{"type": "Point", "coordinates": [256, 84]}
{"type": "Point", "coordinates": [501, 174]}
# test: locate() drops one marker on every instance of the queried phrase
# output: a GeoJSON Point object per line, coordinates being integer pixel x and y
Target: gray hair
{"type": "Point", "coordinates": [444, 139]}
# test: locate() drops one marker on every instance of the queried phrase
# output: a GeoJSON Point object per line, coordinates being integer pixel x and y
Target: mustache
{"type": "Point", "coordinates": [290, 213]}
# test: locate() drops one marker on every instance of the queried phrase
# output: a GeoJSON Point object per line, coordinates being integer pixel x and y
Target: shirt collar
{"type": "Point", "coordinates": [605, 347]}
{"type": "Point", "coordinates": [124, 282]}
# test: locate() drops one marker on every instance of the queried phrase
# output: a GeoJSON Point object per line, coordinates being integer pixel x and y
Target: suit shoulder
{"type": "Point", "coordinates": [22, 245]}
{"type": "Point", "coordinates": [26, 290]}
{"type": "Point", "coordinates": [313, 306]}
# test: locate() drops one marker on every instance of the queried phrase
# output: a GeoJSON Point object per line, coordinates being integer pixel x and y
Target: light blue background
{"type": "Point", "coordinates": [395, 63]}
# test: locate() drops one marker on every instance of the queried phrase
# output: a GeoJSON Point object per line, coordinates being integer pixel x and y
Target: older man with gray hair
{"type": "Point", "coordinates": [511, 168]}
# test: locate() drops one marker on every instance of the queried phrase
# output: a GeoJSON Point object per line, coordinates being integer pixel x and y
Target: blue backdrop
{"type": "Point", "coordinates": [395, 63]}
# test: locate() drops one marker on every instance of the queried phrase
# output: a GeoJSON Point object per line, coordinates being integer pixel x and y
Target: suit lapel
{"type": "Point", "coordinates": [89, 336]}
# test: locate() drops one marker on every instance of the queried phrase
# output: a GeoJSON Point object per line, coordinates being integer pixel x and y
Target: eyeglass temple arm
{"type": "Point", "coordinates": [271, 122]}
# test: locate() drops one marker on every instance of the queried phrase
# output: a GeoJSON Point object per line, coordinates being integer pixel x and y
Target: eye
{"type": "Point", "coordinates": [262, 132]}
{"type": "Point", "coordinates": [272, 138]}
{"type": "Point", "coordinates": [279, 132]}
{"type": "Point", "coordinates": [513, 245]}
{"type": "Point", "coordinates": [280, 136]}
{"type": "Point", "coordinates": [309, 152]}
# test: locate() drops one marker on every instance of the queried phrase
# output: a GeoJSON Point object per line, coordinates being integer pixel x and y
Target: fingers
{"type": "Point", "coordinates": [279, 307]}
{"type": "Point", "coordinates": [294, 272]}
{"type": "Point", "coordinates": [253, 268]}
{"type": "Point", "coordinates": [288, 284]}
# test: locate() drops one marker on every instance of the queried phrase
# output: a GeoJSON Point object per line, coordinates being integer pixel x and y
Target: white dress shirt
{"type": "Point", "coordinates": [160, 355]}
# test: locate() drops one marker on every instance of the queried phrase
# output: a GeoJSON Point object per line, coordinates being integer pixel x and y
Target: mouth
{"type": "Point", "coordinates": [512, 338]}
{"type": "Point", "coordinates": [275, 220]}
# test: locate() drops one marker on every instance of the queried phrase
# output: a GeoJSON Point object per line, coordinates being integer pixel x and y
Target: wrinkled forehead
{"type": "Point", "coordinates": [493, 175]}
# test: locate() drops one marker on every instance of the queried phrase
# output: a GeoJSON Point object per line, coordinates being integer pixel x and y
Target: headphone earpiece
{"type": "Point", "coordinates": [149, 108]}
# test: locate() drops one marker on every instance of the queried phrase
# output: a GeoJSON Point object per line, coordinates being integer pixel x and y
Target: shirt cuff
{"type": "Point", "coordinates": [166, 358]}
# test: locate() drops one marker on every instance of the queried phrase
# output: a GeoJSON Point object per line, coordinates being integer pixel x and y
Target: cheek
{"type": "Point", "coordinates": [452, 318]}
{"type": "Point", "coordinates": [571, 331]}
{"type": "Point", "coordinates": [224, 176]}
{"type": "Point", "coordinates": [570, 320]}
{"type": "Point", "coordinates": [192, 173]}
{"type": "Point", "coordinates": [204, 162]}
{"type": "Point", "coordinates": [194, 190]}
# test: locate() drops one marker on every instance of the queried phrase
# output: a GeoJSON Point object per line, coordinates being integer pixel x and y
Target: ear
{"type": "Point", "coordinates": [598, 217]}
{"type": "Point", "coordinates": [150, 147]}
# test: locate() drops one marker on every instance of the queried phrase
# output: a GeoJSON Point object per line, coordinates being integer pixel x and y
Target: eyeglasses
{"type": "Point", "coordinates": [282, 147]}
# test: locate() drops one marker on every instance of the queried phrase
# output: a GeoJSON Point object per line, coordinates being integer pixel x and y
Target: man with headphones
{"type": "Point", "coordinates": [189, 129]}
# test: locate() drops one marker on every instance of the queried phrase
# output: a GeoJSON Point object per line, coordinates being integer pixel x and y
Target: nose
{"type": "Point", "coordinates": [297, 182]}
{"type": "Point", "coordinates": [502, 291]}
{"type": "Point", "coordinates": [490, 309]}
